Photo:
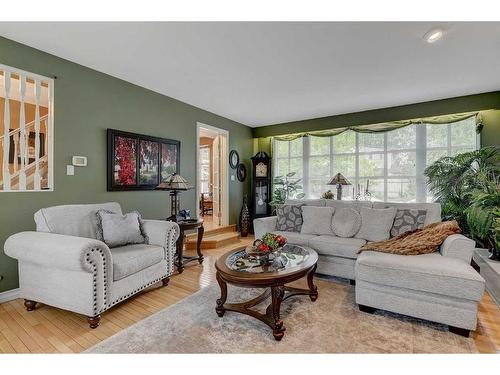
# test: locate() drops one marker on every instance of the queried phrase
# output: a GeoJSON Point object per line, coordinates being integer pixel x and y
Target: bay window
{"type": "Point", "coordinates": [392, 163]}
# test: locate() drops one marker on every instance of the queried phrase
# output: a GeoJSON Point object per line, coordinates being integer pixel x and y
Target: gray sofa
{"type": "Point", "coordinates": [440, 287]}
{"type": "Point", "coordinates": [63, 264]}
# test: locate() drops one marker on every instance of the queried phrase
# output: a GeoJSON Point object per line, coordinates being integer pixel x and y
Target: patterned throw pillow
{"type": "Point", "coordinates": [406, 220]}
{"type": "Point", "coordinates": [289, 217]}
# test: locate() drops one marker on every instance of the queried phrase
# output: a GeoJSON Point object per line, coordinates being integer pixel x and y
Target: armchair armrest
{"type": "Point", "coordinates": [162, 233]}
{"type": "Point", "coordinates": [263, 225]}
{"type": "Point", "coordinates": [458, 246]}
{"type": "Point", "coordinates": [49, 251]}
{"type": "Point", "coordinates": [57, 250]}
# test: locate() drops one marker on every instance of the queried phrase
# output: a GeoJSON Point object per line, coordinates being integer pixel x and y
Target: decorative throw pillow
{"type": "Point", "coordinates": [289, 217]}
{"type": "Point", "coordinates": [407, 219]}
{"type": "Point", "coordinates": [119, 230]}
{"type": "Point", "coordinates": [346, 222]}
{"type": "Point", "coordinates": [317, 220]}
{"type": "Point", "coordinates": [376, 223]}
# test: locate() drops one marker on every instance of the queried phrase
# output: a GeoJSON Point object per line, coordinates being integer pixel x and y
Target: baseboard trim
{"type": "Point", "coordinates": [9, 295]}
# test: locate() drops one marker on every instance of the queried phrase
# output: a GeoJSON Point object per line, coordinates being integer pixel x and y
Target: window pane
{"type": "Point", "coordinates": [281, 167]}
{"type": "Point", "coordinates": [344, 142]}
{"type": "Point", "coordinates": [371, 164]}
{"type": "Point", "coordinates": [463, 133]}
{"type": "Point", "coordinates": [401, 190]}
{"type": "Point", "coordinates": [371, 142]}
{"type": "Point", "coordinates": [375, 188]}
{"type": "Point", "coordinates": [437, 135]}
{"type": "Point", "coordinates": [281, 148]}
{"type": "Point", "coordinates": [296, 166]}
{"type": "Point", "coordinates": [320, 145]}
{"type": "Point", "coordinates": [433, 155]}
{"type": "Point", "coordinates": [401, 163]}
{"type": "Point", "coordinates": [317, 187]}
{"type": "Point", "coordinates": [402, 139]}
{"type": "Point", "coordinates": [319, 166]}
{"type": "Point", "coordinates": [296, 147]}
{"type": "Point", "coordinates": [345, 164]}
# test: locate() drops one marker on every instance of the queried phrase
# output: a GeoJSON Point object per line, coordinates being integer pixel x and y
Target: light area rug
{"type": "Point", "coordinates": [332, 324]}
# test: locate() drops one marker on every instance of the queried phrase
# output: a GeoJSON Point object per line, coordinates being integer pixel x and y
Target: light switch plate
{"type": "Point", "coordinates": [70, 170]}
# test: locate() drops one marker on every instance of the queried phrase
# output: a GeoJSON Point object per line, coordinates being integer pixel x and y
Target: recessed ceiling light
{"type": "Point", "coordinates": [433, 36]}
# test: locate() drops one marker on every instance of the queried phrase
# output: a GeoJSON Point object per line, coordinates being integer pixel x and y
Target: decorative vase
{"type": "Point", "coordinates": [244, 221]}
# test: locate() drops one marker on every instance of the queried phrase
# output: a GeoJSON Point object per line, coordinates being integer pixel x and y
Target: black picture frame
{"type": "Point", "coordinates": [234, 163]}
{"type": "Point", "coordinates": [241, 172]}
{"type": "Point", "coordinates": [146, 156]}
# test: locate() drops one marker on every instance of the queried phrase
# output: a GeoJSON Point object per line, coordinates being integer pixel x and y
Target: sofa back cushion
{"type": "Point", "coordinates": [355, 205]}
{"type": "Point", "coordinates": [346, 222]}
{"type": "Point", "coordinates": [307, 202]}
{"type": "Point", "coordinates": [317, 220]}
{"type": "Point", "coordinates": [433, 214]}
{"type": "Point", "coordinates": [73, 220]}
{"type": "Point", "coordinates": [376, 223]}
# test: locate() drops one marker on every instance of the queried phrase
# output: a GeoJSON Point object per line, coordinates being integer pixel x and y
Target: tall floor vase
{"type": "Point", "coordinates": [244, 221]}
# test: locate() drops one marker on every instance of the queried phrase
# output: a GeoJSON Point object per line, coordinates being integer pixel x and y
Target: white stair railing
{"type": "Point", "coordinates": [26, 162]}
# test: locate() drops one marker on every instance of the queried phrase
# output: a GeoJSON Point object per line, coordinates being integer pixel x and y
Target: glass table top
{"type": "Point", "coordinates": [289, 257]}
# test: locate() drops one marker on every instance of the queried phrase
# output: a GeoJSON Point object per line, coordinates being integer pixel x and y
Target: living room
{"type": "Point", "coordinates": [260, 187]}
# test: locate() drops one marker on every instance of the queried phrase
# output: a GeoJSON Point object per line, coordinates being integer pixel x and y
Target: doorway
{"type": "Point", "coordinates": [212, 188]}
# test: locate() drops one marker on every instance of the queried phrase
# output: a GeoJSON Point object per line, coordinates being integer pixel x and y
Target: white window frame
{"type": "Point", "coordinates": [420, 151]}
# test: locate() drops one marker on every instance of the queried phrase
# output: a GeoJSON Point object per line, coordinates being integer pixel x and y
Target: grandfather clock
{"type": "Point", "coordinates": [261, 185]}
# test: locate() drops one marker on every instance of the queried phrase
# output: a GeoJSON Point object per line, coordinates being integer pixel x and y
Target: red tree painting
{"type": "Point", "coordinates": [125, 161]}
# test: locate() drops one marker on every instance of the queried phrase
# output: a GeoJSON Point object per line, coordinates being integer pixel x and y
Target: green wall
{"type": "Point", "coordinates": [86, 103]}
{"type": "Point", "coordinates": [487, 101]}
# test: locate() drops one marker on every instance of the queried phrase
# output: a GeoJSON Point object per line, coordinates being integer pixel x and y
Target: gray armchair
{"type": "Point", "coordinates": [62, 264]}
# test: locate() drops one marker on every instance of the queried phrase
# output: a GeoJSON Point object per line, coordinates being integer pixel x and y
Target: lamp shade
{"type": "Point", "coordinates": [338, 179]}
{"type": "Point", "coordinates": [174, 182]}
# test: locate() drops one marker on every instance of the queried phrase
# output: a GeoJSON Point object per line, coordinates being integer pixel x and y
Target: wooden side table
{"type": "Point", "coordinates": [184, 226]}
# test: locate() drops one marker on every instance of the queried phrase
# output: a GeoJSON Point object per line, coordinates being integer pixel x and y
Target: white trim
{"type": "Point", "coordinates": [9, 295]}
{"type": "Point", "coordinates": [224, 164]}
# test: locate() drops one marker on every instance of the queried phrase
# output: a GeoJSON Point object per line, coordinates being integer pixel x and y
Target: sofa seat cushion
{"type": "Point", "coordinates": [431, 273]}
{"type": "Point", "coordinates": [130, 259]}
{"type": "Point", "coordinates": [296, 238]}
{"type": "Point", "coordinates": [337, 246]}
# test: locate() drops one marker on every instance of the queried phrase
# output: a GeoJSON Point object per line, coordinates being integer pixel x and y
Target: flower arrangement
{"type": "Point", "coordinates": [269, 243]}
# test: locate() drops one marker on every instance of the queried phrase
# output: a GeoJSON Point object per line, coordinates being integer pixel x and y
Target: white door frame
{"type": "Point", "coordinates": [224, 171]}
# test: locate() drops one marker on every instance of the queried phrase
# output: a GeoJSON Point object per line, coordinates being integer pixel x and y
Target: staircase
{"type": "Point", "coordinates": [215, 238]}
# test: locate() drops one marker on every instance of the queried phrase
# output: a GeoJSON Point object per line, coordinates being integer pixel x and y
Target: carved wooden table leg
{"type": "Point", "coordinates": [277, 293]}
{"type": "Point", "coordinates": [30, 305]}
{"type": "Point", "coordinates": [310, 282]}
{"type": "Point", "coordinates": [220, 310]}
{"type": "Point", "coordinates": [201, 230]}
{"type": "Point", "coordinates": [179, 262]}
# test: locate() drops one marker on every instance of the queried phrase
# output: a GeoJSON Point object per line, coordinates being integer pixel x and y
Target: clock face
{"type": "Point", "coordinates": [261, 170]}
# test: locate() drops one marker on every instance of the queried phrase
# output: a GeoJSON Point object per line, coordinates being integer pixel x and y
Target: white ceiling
{"type": "Point", "coordinates": [267, 73]}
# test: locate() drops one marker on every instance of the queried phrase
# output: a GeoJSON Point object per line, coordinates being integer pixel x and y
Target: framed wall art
{"type": "Point", "coordinates": [138, 161]}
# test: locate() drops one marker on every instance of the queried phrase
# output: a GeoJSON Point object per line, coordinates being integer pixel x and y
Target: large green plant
{"type": "Point", "coordinates": [467, 186]}
{"type": "Point", "coordinates": [286, 187]}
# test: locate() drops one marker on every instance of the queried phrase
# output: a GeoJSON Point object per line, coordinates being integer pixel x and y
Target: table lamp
{"type": "Point", "coordinates": [339, 180]}
{"type": "Point", "coordinates": [174, 183]}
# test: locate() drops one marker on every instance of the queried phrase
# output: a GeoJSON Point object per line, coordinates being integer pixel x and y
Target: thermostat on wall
{"type": "Point", "coordinates": [80, 161]}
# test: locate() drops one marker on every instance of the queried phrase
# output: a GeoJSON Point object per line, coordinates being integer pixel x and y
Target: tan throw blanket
{"type": "Point", "coordinates": [418, 241]}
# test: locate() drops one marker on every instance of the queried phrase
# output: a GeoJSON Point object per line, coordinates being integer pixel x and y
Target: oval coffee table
{"type": "Point", "coordinates": [238, 269]}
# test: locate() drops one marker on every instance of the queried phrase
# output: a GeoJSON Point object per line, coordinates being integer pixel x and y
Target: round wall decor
{"type": "Point", "coordinates": [241, 172]}
{"type": "Point", "coordinates": [234, 159]}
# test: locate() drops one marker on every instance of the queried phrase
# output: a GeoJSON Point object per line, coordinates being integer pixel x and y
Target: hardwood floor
{"type": "Point", "coordinates": [51, 330]}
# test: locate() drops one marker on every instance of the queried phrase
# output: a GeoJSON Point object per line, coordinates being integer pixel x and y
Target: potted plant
{"type": "Point", "coordinates": [285, 187]}
{"type": "Point", "coordinates": [467, 187]}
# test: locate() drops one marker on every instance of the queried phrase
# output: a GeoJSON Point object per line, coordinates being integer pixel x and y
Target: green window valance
{"type": "Point", "coordinates": [387, 126]}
